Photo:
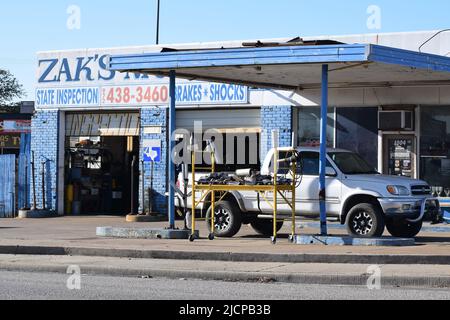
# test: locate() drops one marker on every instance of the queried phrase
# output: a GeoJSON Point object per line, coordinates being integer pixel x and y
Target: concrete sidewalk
{"type": "Point", "coordinates": [330, 274]}
{"type": "Point", "coordinates": [77, 236]}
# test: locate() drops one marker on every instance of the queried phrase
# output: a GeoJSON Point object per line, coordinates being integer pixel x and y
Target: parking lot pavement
{"type": "Point", "coordinates": [80, 232]}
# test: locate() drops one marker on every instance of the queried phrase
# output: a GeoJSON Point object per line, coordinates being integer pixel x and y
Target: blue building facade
{"type": "Point", "coordinates": [276, 118]}
{"type": "Point", "coordinates": [44, 146]}
{"type": "Point", "coordinates": [154, 117]}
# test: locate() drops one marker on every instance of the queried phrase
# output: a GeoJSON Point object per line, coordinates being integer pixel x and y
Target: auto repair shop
{"type": "Point", "coordinates": [92, 122]}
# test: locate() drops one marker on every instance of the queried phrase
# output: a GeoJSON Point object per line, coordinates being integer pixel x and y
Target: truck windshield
{"type": "Point", "coordinates": [352, 163]}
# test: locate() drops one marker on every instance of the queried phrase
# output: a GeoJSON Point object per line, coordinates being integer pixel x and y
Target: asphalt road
{"type": "Point", "coordinates": [32, 286]}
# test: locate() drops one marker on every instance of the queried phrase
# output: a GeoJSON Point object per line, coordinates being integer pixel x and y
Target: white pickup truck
{"type": "Point", "coordinates": [356, 195]}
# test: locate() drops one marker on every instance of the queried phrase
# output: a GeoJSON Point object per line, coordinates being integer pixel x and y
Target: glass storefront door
{"type": "Point", "coordinates": [399, 155]}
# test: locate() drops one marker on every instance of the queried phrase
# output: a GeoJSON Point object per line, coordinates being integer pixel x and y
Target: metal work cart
{"type": "Point", "coordinates": [219, 192]}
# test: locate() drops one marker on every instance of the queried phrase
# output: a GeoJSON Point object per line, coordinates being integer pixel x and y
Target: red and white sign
{"type": "Point", "coordinates": [15, 126]}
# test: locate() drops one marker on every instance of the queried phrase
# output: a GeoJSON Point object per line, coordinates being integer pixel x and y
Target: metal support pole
{"type": "Point", "coordinates": [213, 199]}
{"type": "Point", "coordinates": [133, 163]}
{"type": "Point", "coordinates": [294, 177]}
{"type": "Point", "coordinates": [150, 197]}
{"type": "Point", "coordinates": [185, 194]}
{"type": "Point", "coordinates": [33, 177]}
{"type": "Point", "coordinates": [26, 185]}
{"type": "Point", "coordinates": [143, 187]}
{"type": "Point", "coordinates": [213, 216]}
{"type": "Point", "coordinates": [43, 186]}
{"type": "Point", "coordinates": [157, 21]}
{"type": "Point", "coordinates": [275, 145]}
{"type": "Point", "coordinates": [194, 203]}
{"type": "Point", "coordinates": [172, 128]}
{"type": "Point", "coordinates": [323, 151]}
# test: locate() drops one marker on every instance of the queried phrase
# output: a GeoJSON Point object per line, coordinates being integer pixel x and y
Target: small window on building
{"type": "Point", "coordinates": [357, 131]}
{"type": "Point", "coordinates": [308, 123]}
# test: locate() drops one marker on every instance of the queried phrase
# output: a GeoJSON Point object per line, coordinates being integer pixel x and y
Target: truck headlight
{"type": "Point", "coordinates": [398, 190]}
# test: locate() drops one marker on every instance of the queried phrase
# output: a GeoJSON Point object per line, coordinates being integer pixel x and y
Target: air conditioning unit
{"type": "Point", "coordinates": [396, 120]}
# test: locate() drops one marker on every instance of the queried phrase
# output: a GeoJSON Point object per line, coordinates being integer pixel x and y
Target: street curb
{"type": "Point", "coordinates": [144, 233]}
{"type": "Point", "coordinates": [258, 277]}
{"type": "Point", "coordinates": [228, 256]}
{"type": "Point", "coordinates": [334, 226]}
{"type": "Point", "coordinates": [144, 218]}
{"type": "Point", "coordinates": [353, 241]}
{"type": "Point", "coordinates": [35, 214]}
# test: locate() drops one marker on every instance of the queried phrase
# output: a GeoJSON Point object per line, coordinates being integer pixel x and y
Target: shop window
{"type": "Point", "coordinates": [308, 132]}
{"type": "Point", "coordinates": [357, 131]}
{"type": "Point", "coordinates": [435, 148]}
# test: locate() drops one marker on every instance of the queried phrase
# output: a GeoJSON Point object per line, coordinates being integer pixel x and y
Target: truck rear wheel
{"type": "Point", "coordinates": [365, 220]}
{"type": "Point", "coordinates": [265, 226]}
{"type": "Point", "coordinates": [227, 218]}
{"type": "Point", "coordinates": [404, 229]}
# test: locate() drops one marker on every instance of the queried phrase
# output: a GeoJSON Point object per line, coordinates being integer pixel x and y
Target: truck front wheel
{"type": "Point", "coordinates": [265, 226]}
{"type": "Point", "coordinates": [227, 218]}
{"type": "Point", "coordinates": [365, 220]}
{"type": "Point", "coordinates": [404, 229]}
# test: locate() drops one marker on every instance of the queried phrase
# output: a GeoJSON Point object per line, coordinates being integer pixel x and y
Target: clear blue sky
{"type": "Point", "coordinates": [28, 26]}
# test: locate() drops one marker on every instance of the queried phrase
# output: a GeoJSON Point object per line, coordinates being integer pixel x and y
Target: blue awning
{"type": "Point", "coordinates": [295, 67]}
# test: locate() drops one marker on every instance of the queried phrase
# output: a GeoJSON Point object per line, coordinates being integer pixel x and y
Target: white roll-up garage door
{"type": "Point", "coordinates": [230, 119]}
{"type": "Point", "coordinates": [102, 124]}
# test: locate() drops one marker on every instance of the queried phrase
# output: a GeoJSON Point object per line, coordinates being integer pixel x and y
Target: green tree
{"type": "Point", "coordinates": [10, 90]}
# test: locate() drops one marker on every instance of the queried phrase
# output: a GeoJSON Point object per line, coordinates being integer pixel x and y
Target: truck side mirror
{"type": "Point", "coordinates": [330, 172]}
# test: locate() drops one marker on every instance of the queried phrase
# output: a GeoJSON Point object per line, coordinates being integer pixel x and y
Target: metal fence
{"type": "Point", "coordinates": [7, 186]}
{"type": "Point", "coordinates": [24, 172]}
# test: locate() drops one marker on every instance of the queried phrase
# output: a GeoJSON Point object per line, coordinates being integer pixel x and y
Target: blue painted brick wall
{"type": "Point", "coordinates": [275, 118]}
{"type": "Point", "coordinates": [44, 143]}
{"type": "Point", "coordinates": [155, 117]}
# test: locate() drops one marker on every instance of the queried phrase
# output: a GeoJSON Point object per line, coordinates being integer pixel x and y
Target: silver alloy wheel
{"type": "Point", "coordinates": [222, 219]}
{"type": "Point", "coordinates": [362, 223]}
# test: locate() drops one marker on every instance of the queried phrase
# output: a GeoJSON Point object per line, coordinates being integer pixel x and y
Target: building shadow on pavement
{"type": "Point", "coordinates": [437, 239]}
